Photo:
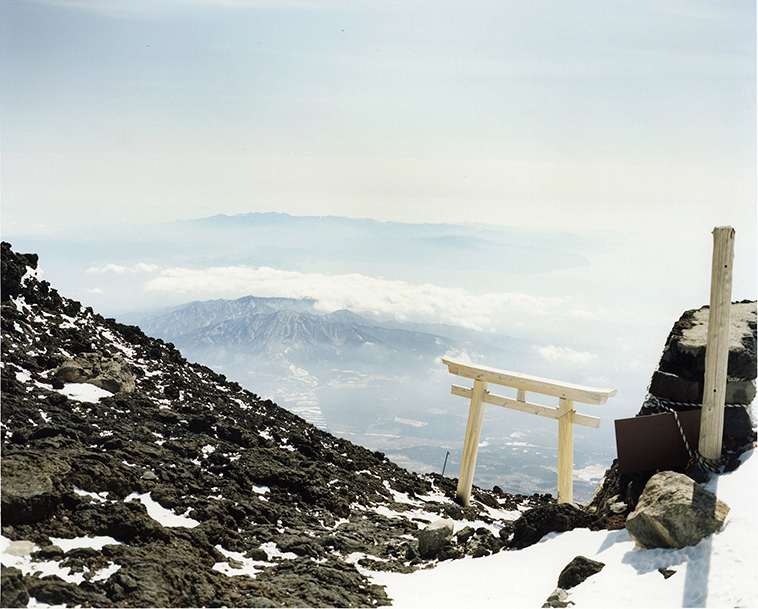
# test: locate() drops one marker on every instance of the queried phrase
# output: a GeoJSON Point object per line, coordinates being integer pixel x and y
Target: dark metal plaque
{"type": "Point", "coordinates": [654, 442]}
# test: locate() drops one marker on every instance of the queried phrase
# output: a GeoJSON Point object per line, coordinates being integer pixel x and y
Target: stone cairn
{"type": "Point", "coordinates": [677, 385]}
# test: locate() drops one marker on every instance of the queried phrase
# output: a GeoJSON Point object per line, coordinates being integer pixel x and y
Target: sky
{"type": "Point", "coordinates": [570, 114]}
{"type": "Point", "coordinates": [631, 123]}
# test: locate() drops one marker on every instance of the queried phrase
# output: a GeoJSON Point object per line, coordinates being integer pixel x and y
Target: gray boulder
{"type": "Point", "coordinates": [434, 537]}
{"type": "Point", "coordinates": [673, 512]}
{"type": "Point", "coordinates": [111, 373]}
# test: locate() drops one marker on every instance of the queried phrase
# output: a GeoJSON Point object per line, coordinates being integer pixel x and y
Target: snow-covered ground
{"type": "Point", "coordinates": [721, 571]}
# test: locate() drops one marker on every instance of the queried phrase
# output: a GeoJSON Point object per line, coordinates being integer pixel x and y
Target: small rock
{"type": "Point", "coordinates": [450, 552]}
{"type": "Point", "coordinates": [666, 572]}
{"type": "Point", "coordinates": [51, 552]}
{"type": "Point", "coordinates": [577, 571]}
{"type": "Point", "coordinates": [464, 534]}
{"type": "Point", "coordinates": [111, 373]}
{"type": "Point", "coordinates": [433, 537]}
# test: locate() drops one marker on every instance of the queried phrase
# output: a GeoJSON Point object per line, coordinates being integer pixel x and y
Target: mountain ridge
{"type": "Point", "coordinates": [193, 490]}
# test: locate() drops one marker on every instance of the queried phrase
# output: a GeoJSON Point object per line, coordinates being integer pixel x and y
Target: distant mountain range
{"type": "Point", "coordinates": [288, 351]}
{"type": "Point", "coordinates": [379, 383]}
{"type": "Point", "coordinates": [101, 264]}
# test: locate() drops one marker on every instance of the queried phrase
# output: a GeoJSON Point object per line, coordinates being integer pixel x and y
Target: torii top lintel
{"type": "Point", "coordinates": [526, 382]}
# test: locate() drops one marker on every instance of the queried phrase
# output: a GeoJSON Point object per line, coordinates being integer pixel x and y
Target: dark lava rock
{"type": "Point", "coordinates": [534, 524]}
{"type": "Point", "coordinates": [14, 592]}
{"type": "Point", "coordinates": [450, 552]}
{"type": "Point", "coordinates": [666, 572]}
{"type": "Point", "coordinates": [579, 569]}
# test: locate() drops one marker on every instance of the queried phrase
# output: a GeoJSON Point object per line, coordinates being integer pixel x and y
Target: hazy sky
{"type": "Point", "coordinates": [607, 114]}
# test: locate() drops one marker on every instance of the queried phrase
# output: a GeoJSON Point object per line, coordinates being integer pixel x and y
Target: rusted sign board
{"type": "Point", "coordinates": [654, 442]}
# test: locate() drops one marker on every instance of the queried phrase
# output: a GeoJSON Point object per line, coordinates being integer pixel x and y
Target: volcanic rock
{"type": "Point", "coordinates": [111, 373]}
{"type": "Point", "coordinates": [681, 370]}
{"type": "Point", "coordinates": [534, 524]}
{"type": "Point", "coordinates": [673, 512]}
{"type": "Point", "coordinates": [432, 538]}
{"type": "Point", "coordinates": [579, 569]}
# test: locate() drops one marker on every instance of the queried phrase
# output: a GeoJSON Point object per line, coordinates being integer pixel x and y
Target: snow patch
{"type": "Point", "coordinates": [84, 392]}
{"type": "Point", "coordinates": [165, 517]}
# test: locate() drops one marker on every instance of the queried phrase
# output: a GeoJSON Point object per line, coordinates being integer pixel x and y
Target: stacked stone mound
{"type": "Point", "coordinates": [681, 371]}
{"type": "Point", "coordinates": [678, 384]}
{"type": "Point", "coordinates": [678, 381]}
{"type": "Point", "coordinates": [264, 485]}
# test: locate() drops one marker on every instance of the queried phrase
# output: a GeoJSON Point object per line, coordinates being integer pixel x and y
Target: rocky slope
{"type": "Point", "coordinates": [189, 490]}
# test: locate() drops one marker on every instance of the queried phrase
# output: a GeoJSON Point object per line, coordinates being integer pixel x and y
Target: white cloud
{"type": "Point", "coordinates": [362, 294]}
{"type": "Point", "coordinates": [410, 422]}
{"type": "Point", "coordinates": [117, 269]}
{"type": "Point", "coordinates": [565, 354]}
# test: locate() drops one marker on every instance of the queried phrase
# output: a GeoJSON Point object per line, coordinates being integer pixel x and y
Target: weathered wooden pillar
{"type": "Point", "coordinates": [471, 443]}
{"type": "Point", "coordinates": [717, 348]}
{"type": "Point", "coordinates": [565, 451]}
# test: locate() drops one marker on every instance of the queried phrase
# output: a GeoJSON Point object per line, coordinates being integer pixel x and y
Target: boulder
{"type": "Point", "coordinates": [434, 537]}
{"type": "Point", "coordinates": [14, 590]}
{"type": "Point", "coordinates": [673, 512]}
{"type": "Point", "coordinates": [577, 571]}
{"type": "Point", "coordinates": [111, 373]}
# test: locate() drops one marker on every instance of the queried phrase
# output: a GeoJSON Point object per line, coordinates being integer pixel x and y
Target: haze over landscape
{"type": "Point", "coordinates": [542, 175]}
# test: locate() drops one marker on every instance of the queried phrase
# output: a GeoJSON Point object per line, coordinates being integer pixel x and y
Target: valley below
{"type": "Point", "coordinates": [379, 385]}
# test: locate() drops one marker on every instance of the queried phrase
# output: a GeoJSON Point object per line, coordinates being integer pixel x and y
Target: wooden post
{"type": "Point", "coordinates": [717, 348]}
{"type": "Point", "coordinates": [565, 451]}
{"type": "Point", "coordinates": [471, 443]}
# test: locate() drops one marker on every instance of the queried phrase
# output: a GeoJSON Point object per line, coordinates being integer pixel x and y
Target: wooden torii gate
{"type": "Point", "coordinates": [566, 393]}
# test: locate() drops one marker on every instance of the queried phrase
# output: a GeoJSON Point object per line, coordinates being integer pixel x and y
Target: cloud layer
{"type": "Point", "coordinates": [375, 296]}
{"type": "Point", "coordinates": [117, 269]}
{"type": "Point", "coordinates": [565, 354]}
